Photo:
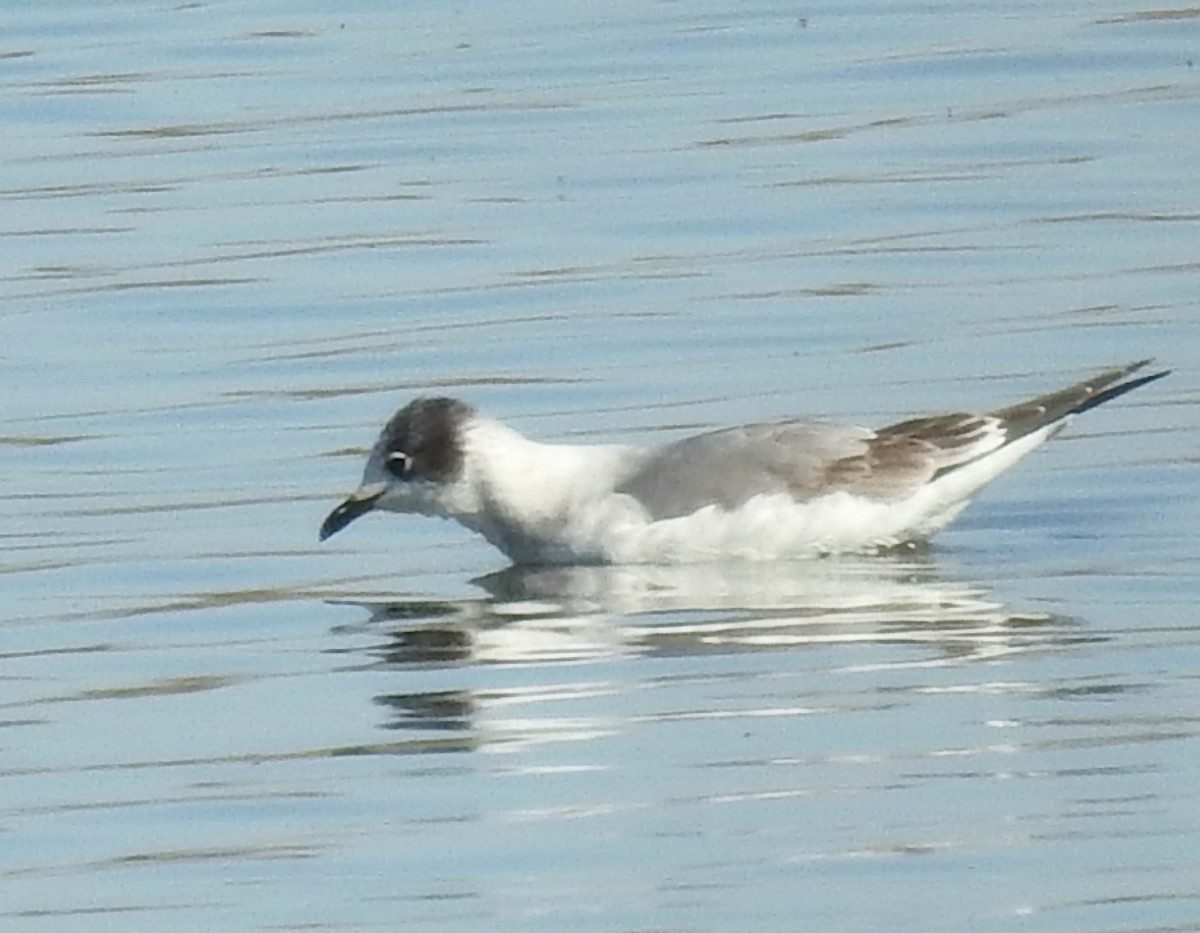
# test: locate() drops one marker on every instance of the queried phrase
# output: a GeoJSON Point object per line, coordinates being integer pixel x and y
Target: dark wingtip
{"type": "Point", "coordinates": [1120, 388]}
{"type": "Point", "coordinates": [1028, 416]}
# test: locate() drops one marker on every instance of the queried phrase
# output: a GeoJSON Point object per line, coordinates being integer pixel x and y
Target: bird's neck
{"type": "Point", "coordinates": [521, 494]}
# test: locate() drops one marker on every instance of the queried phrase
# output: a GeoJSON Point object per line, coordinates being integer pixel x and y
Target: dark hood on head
{"type": "Point", "coordinates": [427, 432]}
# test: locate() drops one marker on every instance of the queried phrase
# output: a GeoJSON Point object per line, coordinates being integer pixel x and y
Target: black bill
{"type": "Point", "coordinates": [347, 512]}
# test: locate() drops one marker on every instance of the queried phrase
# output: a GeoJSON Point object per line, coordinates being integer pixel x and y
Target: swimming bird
{"type": "Point", "coordinates": [785, 489]}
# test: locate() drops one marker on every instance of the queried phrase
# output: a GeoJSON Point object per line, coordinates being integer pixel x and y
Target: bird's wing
{"type": "Point", "coordinates": [807, 459]}
{"type": "Point", "coordinates": [801, 459]}
{"type": "Point", "coordinates": [963, 438]}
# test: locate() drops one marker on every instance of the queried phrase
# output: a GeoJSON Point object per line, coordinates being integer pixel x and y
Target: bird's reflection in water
{"type": "Point", "coordinates": [574, 613]}
{"type": "Point", "coordinates": [557, 614]}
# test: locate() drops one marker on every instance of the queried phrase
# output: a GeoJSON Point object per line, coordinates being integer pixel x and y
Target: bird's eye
{"type": "Point", "coordinates": [399, 464]}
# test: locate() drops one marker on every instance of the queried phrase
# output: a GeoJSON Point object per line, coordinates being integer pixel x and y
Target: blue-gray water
{"type": "Point", "coordinates": [235, 236]}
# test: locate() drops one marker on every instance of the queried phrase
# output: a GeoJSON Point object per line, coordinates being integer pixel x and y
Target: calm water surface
{"type": "Point", "coordinates": [236, 236]}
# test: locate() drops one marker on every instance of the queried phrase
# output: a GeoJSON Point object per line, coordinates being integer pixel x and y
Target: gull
{"type": "Point", "coordinates": [778, 490]}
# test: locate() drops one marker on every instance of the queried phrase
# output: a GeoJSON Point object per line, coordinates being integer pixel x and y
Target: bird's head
{"type": "Point", "coordinates": [418, 457]}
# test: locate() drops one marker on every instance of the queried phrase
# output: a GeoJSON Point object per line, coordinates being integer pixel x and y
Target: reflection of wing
{"type": "Point", "coordinates": [685, 610]}
{"type": "Point", "coordinates": [805, 459]}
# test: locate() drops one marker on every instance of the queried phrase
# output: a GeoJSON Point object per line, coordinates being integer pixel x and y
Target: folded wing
{"type": "Point", "coordinates": [806, 460]}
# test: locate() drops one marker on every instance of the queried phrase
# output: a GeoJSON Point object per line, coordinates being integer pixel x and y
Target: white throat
{"type": "Point", "coordinates": [527, 497]}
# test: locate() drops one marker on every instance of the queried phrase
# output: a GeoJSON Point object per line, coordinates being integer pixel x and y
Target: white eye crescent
{"type": "Point", "coordinates": [399, 464]}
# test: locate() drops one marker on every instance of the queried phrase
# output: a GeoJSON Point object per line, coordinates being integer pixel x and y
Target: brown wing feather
{"type": "Point", "coordinates": [945, 432]}
{"type": "Point", "coordinates": [961, 437]}
{"type": "Point", "coordinates": [891, 468]}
